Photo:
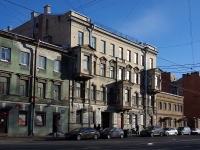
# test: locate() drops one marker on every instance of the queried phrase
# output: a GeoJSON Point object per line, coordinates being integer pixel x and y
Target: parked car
{"type": "Point", "coordinates": [82, 133]}
{"type": "Point", "coordinates": [152, 130]}
{"type": "Point", "coordinates": [184, 130]}
{"type": "Point", "coordinates": [195, 131]}
{"type": "Point", "coordinates": [170, 131]}
{"type": "Point", "coordinates": [112, 132]}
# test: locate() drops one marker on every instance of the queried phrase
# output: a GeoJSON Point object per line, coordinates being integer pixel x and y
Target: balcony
{"type": "Point", "coordinates": [154, 81]}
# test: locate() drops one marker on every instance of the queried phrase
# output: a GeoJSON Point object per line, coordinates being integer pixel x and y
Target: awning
{"type": "Point", "coordinates": [182, 119]}
{"type": "Point", "coordinates": [167, 118]}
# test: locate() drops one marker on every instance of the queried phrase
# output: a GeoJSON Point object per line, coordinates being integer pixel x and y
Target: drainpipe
{"type": "Point", "coordinates": [90, 29]}
{"type": "Point", "coordinates": [145, 84]}
{"type": "Point", "coordinates": [34, 86]}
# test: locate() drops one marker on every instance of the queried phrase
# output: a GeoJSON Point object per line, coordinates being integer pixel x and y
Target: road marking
{"type": "Point", "coordinates": [149, 143]}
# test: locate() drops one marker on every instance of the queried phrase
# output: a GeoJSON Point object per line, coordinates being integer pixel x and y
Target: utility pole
{"type": "Point", "coordinates": [34, 88]}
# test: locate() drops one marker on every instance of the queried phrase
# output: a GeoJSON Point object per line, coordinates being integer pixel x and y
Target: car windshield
{"type": "Point", "coordinates": [76, 129]}
{"type": "Point", "coordinates": [180, 128]}
{"type": "Point", "coordinates": [166, 128]}
{"type": "Point", "coordinates": [106, 130]}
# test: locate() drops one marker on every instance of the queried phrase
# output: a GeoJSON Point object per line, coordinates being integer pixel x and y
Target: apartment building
{"type": "Point", "coordinates": [33, 86]}
{"type": "Point", "coordinates": [170, 110]}
{"type": "Point", "coordinates": [113, 77]}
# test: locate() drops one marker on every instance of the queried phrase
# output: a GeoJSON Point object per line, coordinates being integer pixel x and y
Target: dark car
{"type": "Point", "coordinates": [82, 133]}
{"type": "Point", "coordinates": [152, 130]}
{"type": "Point", "coordinates": [112, 132]}
{"type": "Point", "coordinates": [184, 130]}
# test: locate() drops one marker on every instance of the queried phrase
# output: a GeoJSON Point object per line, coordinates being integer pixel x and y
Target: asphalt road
{"type": "Point", "coordinates": [164, 143]}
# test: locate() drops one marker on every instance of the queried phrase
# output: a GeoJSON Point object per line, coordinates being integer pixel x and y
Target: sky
{"type": "Point", "coordinates": [172, 26]}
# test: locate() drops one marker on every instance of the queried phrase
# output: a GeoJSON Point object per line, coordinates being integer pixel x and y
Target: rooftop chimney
{"type": "Point", "coordinates": [9, 28]}
{"type": "Point", "coordinates": [47, 9]}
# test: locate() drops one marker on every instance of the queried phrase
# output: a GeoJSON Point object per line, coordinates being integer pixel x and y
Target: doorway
{"type": "Point", "coordinates": [105, 119]}
{"type": "Point", "coordinates": [3, 122]}
{"type": "Point", "coordinates": [56, 121]}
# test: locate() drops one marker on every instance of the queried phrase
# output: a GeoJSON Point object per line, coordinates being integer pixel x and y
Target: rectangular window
{"type": "Point", "coordinates": [126, 95]}
{"type": "Point", "coordinates": [135, 99]}
{"type": "Point", "coordinates": [78, 90]}
{"type": "Point", "coordinates": [118, 95]}
{"type": "Point", "coordinates": [102, 93]}
{"type": "Point", "coordinates": [57, 66]}
{"type": "Point", "coordinates": [120, 74]}
{"type": "Point", "coordinates": [121, 53]}
{"type": "Point", "coordinates": [128, 75]}
{"type": "Point", "coordinates": [22, 119]}
{"type": "Point", "coordinates": [136, 58]}
{"type": "Point", "coordinates": [25, 58]}
{"type": "Point", "coordinates": [5, 54]}
{"type": "Point", "coordinates": [142, 60]}
{"type": "Point", "coordinates": [40, 119]}
{"type": "Point", "coordinates": [86, 62]}
{"type": "Point", "coordinates": [103, 46]}
{"type": "Point", "coordinates": [111, 72]}
{"type": "Point", "coordinates": [56, 92]}
{"type": "Point", "coordinates": [150, 63]}
{"type": "Point", "coordinates": [102, 73]}
{"type": "Point", "coordinates": [92, 92]}
{"type": "Point", "coordinates": [41, 90]}
{"type": "Point", "coordinates": [112, 50]}
{"type": "Point", "coordinates": [136, 78]}
{"type": "Point", "coordinates": [23, 87]}
{"type": "Point", "coordinates": [93, 42]}
{"type": "Point", "coordinates": [4, 85]}
{"type": "Point", "coordinates": [94, 67]}
{"type": "Point", "coordinates": [128, 55]}
{"type": "Point", "coordinates": [42, 62]}
{"type": "Point", "coordinates": [80, 38]}
{"type": "Point", "coordinates": [165, 106]}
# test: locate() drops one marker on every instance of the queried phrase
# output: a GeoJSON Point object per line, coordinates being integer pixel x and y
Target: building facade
{"type": "Point", "coordinates": [113, 78]}
{"type": "Point", "coordinates": [170, 110]}
{"type": "Point", "coordinates": [33, 86]}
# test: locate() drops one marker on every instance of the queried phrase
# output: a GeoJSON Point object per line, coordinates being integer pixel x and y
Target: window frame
{"type": "Point", "coordinates": [42, 89]}
{"type": "Point", "coordinates": [135, 58]}
{"type": "Point", "coordinates": [7, 53]}
{"type": "Point", "coordinates": [126, 95]}
{"type": "Point", "coordinates": [142, 60]}
{"type": "Point", "coordinates": [112, 50]}
{"type": "Point", "coordinates": [86, 62]}
{"type": "Point", "coordinates": [43, 121]}
{"type": "Point", "coordinates": [151, 63]}
{"type": "Point", "coordinates": [7, 83]}
{"type": "Point", "coordinates": [102, 93]}
{"type": "Point", "coordinates": [58, 95]}
{"type": "Point", "coordinates": [25, 118]}
{"type": "Point", "coordinates": [103, 47]}
{"type": "Point", "coordinates": [23, 55]}
{"type": "Point", "coordinates": [102, 70]}
{"type": "Point", "coordinates": [57, 66]}
{"type": "Point", "coordinates": [42, 65]}
{"type": "Point", "coordinates": [112, 72]}
{"type": "Point", "coordinates": [128, 55]}
{"type": "Point", "coordinates": [25, 88]}
{"type": "Point", "coordinates": [93, 42]}
{"type": "Point", "coordinates": [80, 37]}
{"type": "Point", "coordinates": [120, 53]}
{"type": "Point", "coordinates": [120, 77]}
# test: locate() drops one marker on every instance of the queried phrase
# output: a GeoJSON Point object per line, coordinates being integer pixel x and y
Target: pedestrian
{"type": "Point", "coordinates": [137, 129]}
{"type": "Point", "coordinates": [98, 127]}
{"type": "Point", "coordinates": [95, 126]}
{"type": "Point", "coordinates": [55, 130]}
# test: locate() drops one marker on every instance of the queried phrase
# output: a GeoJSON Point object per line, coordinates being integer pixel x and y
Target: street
{"type": "Point", "coordinates": [171, 142]}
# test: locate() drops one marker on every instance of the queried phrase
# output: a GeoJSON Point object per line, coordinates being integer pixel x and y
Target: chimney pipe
{"type": "Point", "coordinates": [9, 28]}
{"type": "Point", "coordinates": [47, 9]}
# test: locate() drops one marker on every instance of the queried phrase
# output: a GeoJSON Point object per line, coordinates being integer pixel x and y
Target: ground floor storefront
{"type": "Point", "coordinates": [16, 118]}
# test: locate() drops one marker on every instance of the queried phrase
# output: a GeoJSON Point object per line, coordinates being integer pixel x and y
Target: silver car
{"type": "Point", "coordinates": [184, 130]}
{"type": "Point", "coordinates": [170, 131]}
{"type": "Point", "coordinates": [195, 131]}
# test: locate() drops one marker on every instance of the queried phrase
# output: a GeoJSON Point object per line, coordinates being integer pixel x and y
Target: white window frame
{"type": "Point", "coordinates": [120, 74]}
{"type": "Point", "coordinates": [136, 78]}
{"type": "Point", "coordinates": [102, 94]}
{"type": "Point", "coordinates": [80, 38]}
{"type": "Point", "coordinates": [102, 71]}
{"type": "Point", "coordinates": [24, 58]}
{"type": "Point", "coordinates": [93, 42]}
{"type": "Point", "coordinates": [112, 50]}
{"type": "Point", "coordinates": [6, 52]}
{"type": "Point", "coordinates": [42, 62]}
{"type": "Point", "coordinates": [120, 53]}
{"type": "Point", "coordinates": [128, 55]}
{"type": "Point", "coordinates": [56, 66]}
{"type": "Point", "coordinates": [86, 62]}
{"type": "Point", "coordinates": [126, 95]}
{"type": "Point", "coordinates": [150, 63]}
{"type": "Point", "coordinates": [111, 72]}
{"type": "Point", "coordinates": [103, 46]}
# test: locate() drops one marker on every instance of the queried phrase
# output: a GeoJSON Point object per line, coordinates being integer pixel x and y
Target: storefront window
{"type": "Point", "coordinates": [40, 119]}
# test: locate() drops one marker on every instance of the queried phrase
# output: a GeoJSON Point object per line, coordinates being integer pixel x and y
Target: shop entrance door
{"type": "Point", "coordinates": [3, 122]}
{"type": "Point", "coordinates": [56, 122]}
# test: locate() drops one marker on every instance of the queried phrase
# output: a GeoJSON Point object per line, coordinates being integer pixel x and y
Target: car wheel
{"type": "Point", "coordinates": [167, 134]}
{"type": "Point", "coordinates": [108, 136]}
{"type": "Point", "coordinates": [78, 137]}
{"type": "Point", "coordinates": [161, 134]}
{"type": "Point", "coordinates": [188, 133]}
{"type": "Point", "coordinates": [121, 136]}
{"type": "Point", "coordinates": [182, 133]}
{"type": "Point", "coordinates": [175, 134]}
{"type": "Point", "coordinates": [95, 137]}
{"type": "Point", "coordinates": [152, 134]}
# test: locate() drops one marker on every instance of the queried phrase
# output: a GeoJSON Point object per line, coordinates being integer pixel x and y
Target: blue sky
{"type": "Point", "coordinates": [169, 25]}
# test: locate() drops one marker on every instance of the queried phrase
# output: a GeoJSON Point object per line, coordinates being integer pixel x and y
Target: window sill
{"type": "Point", "coordinates": [42, 69]}
{"type": "Point", "coordinates": [111, 56]}
{"type": "Point", "coordinates": [56, 72]}
{"type": "Point", "coordinates": [24, 66]}
{"type": "Point", "coordinates": [103, 53]}
{"type": "Point", "coordinates": [5, 61]}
